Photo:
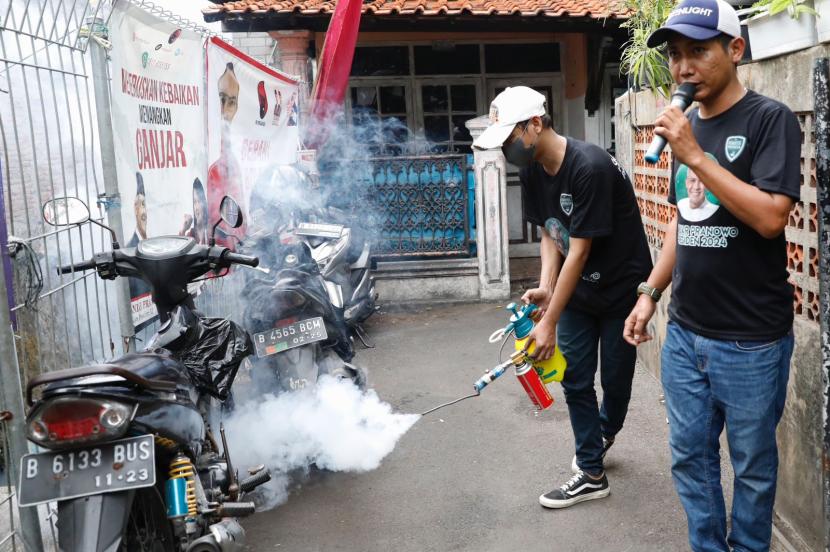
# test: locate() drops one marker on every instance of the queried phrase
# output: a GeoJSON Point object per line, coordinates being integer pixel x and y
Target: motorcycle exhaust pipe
{"type": "Point", "coordinates": [225, 536]}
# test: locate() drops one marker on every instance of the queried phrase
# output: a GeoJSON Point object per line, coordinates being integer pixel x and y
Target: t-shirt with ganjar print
{"type": "Point", "coordinates": [729, 282]}
{"type": "Point", "coordinates": [591, 197]}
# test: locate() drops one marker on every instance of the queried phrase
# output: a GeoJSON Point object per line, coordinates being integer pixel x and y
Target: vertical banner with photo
{"type": "Point", "coordinates": [158, 118]}
{"type": "Point", "coordinates": [253, 119]}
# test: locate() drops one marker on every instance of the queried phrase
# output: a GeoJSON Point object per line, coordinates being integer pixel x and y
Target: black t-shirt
{"type": "Point", "coordinates": [729, 282]}
{"type": "Point", "coordinates": [592, 197]}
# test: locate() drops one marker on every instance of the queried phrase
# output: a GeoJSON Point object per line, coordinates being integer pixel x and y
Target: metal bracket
{"type": "Point", "coordinates": [98, 32]}
{"type": "Point", "coordinates": [109, 201]}
{"type": "Point", "coordinates": [105, 44]}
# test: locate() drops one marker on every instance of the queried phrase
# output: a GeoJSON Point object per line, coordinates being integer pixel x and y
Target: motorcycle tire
{"type": "Point", "coordinates": [148, 529]}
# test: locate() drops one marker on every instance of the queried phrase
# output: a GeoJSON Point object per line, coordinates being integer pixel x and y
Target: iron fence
{"type": "Point", "coordinates": [12, 537]}
{"type": "Point", "coordinates": [10, 540]}
{"type": "Point", "coordinates": [51, 140]}
{"type": "Point", "coordinates": [416, 206]}
{"type": "Point", "coordinates": [50, 148]}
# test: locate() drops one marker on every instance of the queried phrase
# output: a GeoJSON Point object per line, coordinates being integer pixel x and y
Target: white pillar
{"type": "Point", "coordinates": [491, 217]}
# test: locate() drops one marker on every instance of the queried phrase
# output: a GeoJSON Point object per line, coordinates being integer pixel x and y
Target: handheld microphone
{"type": "Point", "coordinates": [682, 98]}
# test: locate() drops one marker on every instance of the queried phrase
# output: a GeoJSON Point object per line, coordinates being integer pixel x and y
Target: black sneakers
{"type": "Point", "coordinates": [579, 488]}
{"type": "Point", "coordinates": [606, 444]}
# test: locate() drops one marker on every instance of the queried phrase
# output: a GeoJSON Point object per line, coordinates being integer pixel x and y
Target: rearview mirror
{"type": "Point", "coordinates": [65, 211]}
{"type": "Point", "coordinates": [230, 213]}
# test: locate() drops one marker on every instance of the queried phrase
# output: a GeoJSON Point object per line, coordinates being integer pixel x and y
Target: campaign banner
{"type": "Point", "coordinates": [253, 119]}
{"type": "Point", "coordinates": [158, 118]}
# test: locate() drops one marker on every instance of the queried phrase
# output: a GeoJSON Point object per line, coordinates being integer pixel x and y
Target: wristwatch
{"type": "Point", "coordinates": [645, 289]}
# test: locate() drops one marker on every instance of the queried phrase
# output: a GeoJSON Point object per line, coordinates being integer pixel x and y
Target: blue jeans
{"type": "Point", "coordinates": [742, 384]}
{"type": "Point", "coordinates": [578, 335]}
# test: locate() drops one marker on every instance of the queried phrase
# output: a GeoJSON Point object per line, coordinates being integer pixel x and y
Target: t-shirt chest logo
{"type": "Point", "coordinates": [567, 203]}
{"type": "Point", "coordinates": [734, 147]}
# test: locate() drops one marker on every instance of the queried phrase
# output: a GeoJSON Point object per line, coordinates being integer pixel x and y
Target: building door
{"type": "Point", "coordinates": [442, 107]}
{"type": "Point", "coordinates": [523, 236]}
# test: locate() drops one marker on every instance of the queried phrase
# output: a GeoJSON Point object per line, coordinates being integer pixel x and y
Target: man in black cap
{"type": "Point", "coordinates": [729, 340]}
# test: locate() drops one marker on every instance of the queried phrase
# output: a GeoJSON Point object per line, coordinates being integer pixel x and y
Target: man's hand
{"type": "Point", "coordinates": [634, 330]}
{"type": "Point", "coordinates": [544, 335]}
{"type": "Point", "coordinates": [673, 125]}
{"type": "Point", "coordinates": [539, 297]}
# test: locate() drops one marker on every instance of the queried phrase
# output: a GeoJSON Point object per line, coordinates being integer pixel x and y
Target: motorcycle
{"type": "Point", "coordinates": [344, 257]}
{"type": "Point", "coordinates": [131, 460]}
{"type": "Point", "coordinates": [341, 250]}
{"type": "Point", "coordinates": [298, 333]}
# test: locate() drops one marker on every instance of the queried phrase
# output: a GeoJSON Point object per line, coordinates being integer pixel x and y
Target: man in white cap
{"type": "Point", "coordinates": [728, 344]}
{"type": "Point", "coordinates": [594, 252]}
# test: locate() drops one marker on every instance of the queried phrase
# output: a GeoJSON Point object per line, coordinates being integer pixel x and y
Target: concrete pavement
{"type": "Point", "coordinates": [467, 478]}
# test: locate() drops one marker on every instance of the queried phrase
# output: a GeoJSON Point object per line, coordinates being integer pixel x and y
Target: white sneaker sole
{"type": "Point", "coordinates": [556, 504]}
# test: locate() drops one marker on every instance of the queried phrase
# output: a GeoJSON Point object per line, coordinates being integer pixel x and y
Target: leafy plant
{"type": "Point", "coordinates": [647, 67]}
{"type": "Point", "coordinates": [768, 8]}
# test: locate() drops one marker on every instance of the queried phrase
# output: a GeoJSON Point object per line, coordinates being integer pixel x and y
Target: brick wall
{"type": "Point", "coordinates": [259, 46]}
{"type": "Point", "coordinates": [802, 230]}
{"type": "Point", "coordinates": [651, 186]}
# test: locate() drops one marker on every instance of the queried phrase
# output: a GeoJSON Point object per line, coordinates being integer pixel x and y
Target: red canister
{"type": "Point", "coordinates": [533, 385]}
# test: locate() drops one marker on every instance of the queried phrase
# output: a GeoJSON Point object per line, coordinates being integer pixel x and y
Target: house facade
{"type": "Point", "coordinates": [423, 69]}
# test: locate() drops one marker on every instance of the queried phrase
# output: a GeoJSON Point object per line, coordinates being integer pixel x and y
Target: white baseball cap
{"type": "Point", "coordinates": [514, 105]}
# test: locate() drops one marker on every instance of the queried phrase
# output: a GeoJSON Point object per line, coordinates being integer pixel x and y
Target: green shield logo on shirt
{"type": "Point", "coordinates": [734, 146]}
{"type": "Point", "coordinates": [567, 203]}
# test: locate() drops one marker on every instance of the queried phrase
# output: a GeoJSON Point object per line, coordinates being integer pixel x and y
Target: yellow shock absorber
{"type": "Point", "coordinates": [164, 442]}
{"type": "Point", "coordinates": [182, 468]}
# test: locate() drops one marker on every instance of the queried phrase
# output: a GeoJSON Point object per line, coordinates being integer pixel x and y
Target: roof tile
{"type": "Point", "coordinates": [595, 9]}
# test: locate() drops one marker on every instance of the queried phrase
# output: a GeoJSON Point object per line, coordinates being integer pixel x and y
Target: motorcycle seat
{"type": "Point", "coordinates": [154, 371]}
{"type": "Point", "coordinates": [153, 365]}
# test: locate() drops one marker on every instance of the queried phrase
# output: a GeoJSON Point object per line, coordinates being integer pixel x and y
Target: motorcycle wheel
{"type": "Point", "coordinates": [148, 529]}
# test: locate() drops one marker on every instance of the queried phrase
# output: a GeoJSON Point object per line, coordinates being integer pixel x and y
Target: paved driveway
{"type": "Point", "coordinates": [467, 477]}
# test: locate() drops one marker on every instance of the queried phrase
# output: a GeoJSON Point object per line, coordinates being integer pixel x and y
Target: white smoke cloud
{"type": "Point", "coordinates": [332, 425]}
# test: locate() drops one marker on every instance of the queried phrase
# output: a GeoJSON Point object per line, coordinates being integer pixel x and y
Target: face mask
{"type": "Point", "coordinates": [518, 154]}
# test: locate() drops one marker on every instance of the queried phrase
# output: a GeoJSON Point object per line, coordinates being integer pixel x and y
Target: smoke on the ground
{"type": "Point", "coordinates": [333, 425]}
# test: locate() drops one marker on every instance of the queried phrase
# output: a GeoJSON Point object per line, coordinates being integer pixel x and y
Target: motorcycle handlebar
{"type": "Point", "coordinates": [236, 258]}
{"type": "Point", "coordinates": [77, 267]}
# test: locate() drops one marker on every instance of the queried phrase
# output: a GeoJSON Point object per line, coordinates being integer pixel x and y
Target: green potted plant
{"type": "Point", "coordinates": [646, 67]}
{"type": "Point", "coordinates": [780, 26]}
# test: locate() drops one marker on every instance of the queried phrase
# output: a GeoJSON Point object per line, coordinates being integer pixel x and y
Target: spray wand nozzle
{"type": "Point", "coordinates": [516, 359]}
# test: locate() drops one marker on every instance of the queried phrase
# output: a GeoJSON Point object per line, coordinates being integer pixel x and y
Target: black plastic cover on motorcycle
{"type": "Point", "coordinates": [215, 355]}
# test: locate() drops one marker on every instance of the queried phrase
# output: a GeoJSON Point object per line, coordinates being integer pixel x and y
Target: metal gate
{"type": "Point", "coordinates": [49, 148]}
